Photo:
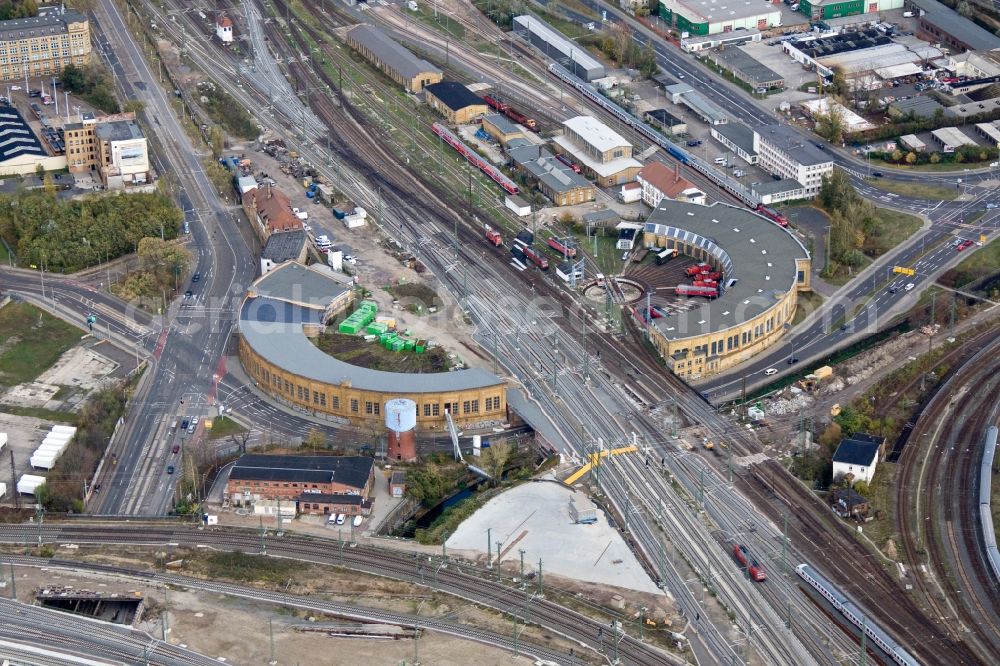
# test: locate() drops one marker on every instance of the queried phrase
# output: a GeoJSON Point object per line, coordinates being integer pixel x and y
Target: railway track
{"type": "Point", "coordinates": [955, 580]}
{"type": "Point", "coordinates": [415, 568]}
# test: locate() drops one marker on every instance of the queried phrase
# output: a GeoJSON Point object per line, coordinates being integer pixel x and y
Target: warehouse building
{"type": "Point", "coordinates": [553, 178]}
{"type": "Point", "coordinates": [919, 106]}
{"type": "Point", "coordinates": [938, 23]}
{"type": "Point", "coordinates": [20, 150]}
{"type": "Point", "coordinates": [605, 155]}
{"type": "Point", "coordinates": [710, 17]}
{"type": "Point", "coordinates": [256, 477]}
{"type": "Point", "coordinates": [696, 43]}
{"type": "Point", "coordinates": [990, 131]}
{"type": "Point", "coordinates": [784, 152]}
{"type": "Point", "coordinates": [292, 303]}
{"type": "Point", "coordinates": [659, 181]}
{"type": "Point", "coordinates": [746, 68]}
{"type": "Point", "coordinates": [911, 142]}
{"type": "Point", "coordinates": [738, 138]}
{"type": "Point", "coordinates": [666, 121]}
{"type": "Point", "coordinates": [569, 54]}
{"type": "Point", "coordinates": [395, 61]}
{"type": "Point", "coordinates": [764, 268]}
{"type": "Point", "coordinates": [502, 129]}
{"type": "Point", "coordinates": [455, 102]}
{"type": "Point", "coordinates": [820, 10]}
{"type": "Point", "coordinates": [951, 138]}
{"type": "Point", "coordinates": [43, 45]}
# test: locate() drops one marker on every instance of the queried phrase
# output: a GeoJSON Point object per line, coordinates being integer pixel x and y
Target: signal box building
{"type": "Point", "coordinates": [455, 102]}
{"type": "Point", "coordinates": [395, 61]}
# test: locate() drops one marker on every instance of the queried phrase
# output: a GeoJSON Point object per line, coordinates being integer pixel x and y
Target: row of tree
{"type": "Point", "coordinates": [66, 235]}
{"type": "Point", "coordinates": [853, 220]}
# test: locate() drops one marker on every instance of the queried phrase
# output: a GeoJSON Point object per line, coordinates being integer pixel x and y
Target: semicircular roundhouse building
{"type": "Point", "coordinates": [292, 303]}
{"type": "Point", "coordinates": [764, 268]}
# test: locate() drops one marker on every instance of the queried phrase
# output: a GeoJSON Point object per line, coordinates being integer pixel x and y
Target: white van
{"type": "Point", "coordinates": [720, 160]}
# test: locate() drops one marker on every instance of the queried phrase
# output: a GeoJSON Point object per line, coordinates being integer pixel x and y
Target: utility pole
{"type": "Point", "coordinates": [784, 543]}
{"type": "Point", "coordinates": [521, 551]}
{"type": "Point", "coordinates": [499, 543]}
{"type": "Point", "coordinates": [539, 592]}
{"type": "Point", "coordinates": [13, 583]}
{"type": "Point", "coordinates": [489, 548]}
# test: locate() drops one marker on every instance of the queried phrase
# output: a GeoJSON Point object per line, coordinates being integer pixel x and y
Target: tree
{"type": "Point", "coordinates": [964, 9]}
{"type": "Point", "coordinates": [134, 106]}
{"type": "Point", "coordinates": [427, 484]}
{"type": "Point", "coordinates": [830, 125]}
{"type": "Point", "coordinates": [163, 260]}
{"type": "Point", "coordinates": [240, 439]}
{"type": "Point", "coordinates": [314, 440]}
{"type": "Point", "coordinates": [831, 435]}
{"type": "Point", "coordinates": [218, 140]}
{"type": "Point", "coordinates": [935, 158]}
{"type": "Point", "coordinates": [897, 156]}
{"type": "Point", "coordinates": [861, 488]}
{"type": "Point", "coordinates": [911, 157]}
{"type": "Point", "coordinates": [838, 82]}
{"type": "Point", "coordinates": [495, 458]}
{"type": "Point", "coordinates": [851, 420]}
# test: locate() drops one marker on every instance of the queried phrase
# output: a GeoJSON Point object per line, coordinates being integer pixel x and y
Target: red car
{"type": "Point", "coordinates": [964, 244]}
{"type": "Point", "coordinates": [176, 448]}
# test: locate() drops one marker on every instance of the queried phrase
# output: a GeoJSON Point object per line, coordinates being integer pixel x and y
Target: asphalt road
{"type": "Point", "coordinates": [189, 344]}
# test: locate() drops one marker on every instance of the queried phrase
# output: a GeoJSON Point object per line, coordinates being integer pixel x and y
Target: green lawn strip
{"type": "Point", "coordinates": [894, 228]}
{"type": "Point", "coordinates": [916, 190]}
{"type": "Point", "coordinates": [809, 302]}
{"type": "Point", "coordinates": [32, 341]}
{"type": "Point", "coordinates": [225, 426]}
{"type": "Point", "coordinates": [39, 413]}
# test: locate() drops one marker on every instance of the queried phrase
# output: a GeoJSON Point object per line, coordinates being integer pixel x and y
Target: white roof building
{"type": "Point", "coordinates": [596, 134]}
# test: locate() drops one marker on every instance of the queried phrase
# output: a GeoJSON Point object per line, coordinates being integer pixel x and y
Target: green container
{"type": "Point", "coordinates": [398, 345]}
{"type": "Point", "coordinates": [408, 345]}
{"type": "Point", "coordinates": [348, 327]}
{"type": "Point", "coordinates": [377, 328]}
{"type": "Point", "coordinates": [420, 349]}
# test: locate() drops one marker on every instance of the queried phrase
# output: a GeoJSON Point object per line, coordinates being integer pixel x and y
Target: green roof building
{"type": "Point", "coordinates": [819, 10]}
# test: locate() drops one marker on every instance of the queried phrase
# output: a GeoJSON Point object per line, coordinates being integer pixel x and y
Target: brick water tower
{"type": "Point", "coordinates": [401, 422]}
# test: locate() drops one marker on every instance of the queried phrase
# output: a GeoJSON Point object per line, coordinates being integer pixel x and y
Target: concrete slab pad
{"type": "Point", "coordinates": [535, 517]}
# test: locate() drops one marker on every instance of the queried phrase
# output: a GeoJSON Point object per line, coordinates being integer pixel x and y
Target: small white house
{"type": "Point", "coordinates": [224, 29]}
{"type": "Point", "coordinates": [568, 272]}
{"type": "Point", "coordinates": [630, 192]}
{"type": "Point", "coordinates": [627, 233]}
{"type": "Point", "coordinates": [855, 457]}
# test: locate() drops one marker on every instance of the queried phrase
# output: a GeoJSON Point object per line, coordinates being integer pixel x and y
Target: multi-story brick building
{"type": "Point", "coordinates": [293, 478]}
{"type": "Point", "coordinates": [43, 45]}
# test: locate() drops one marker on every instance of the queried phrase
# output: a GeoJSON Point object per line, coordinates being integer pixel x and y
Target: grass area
{"type": "Point", "coordinates": [608, 258]}
{"type": "Point", "coordinates": [451, 518]}
{"type": "Point", "coordinates": [882, 497]}
{"type": "Point", "coordinates": [809, 301]}
{"type": "Point", "coordinates": [249, 568]}
{"type": "Point", "coordinates": [981, 263]}
{"type": "Point", "coordinates": [39, 413]}
{"type": "Point", "coordinates": [941, 167]}
{"type": "Point", "coordinates": [844, 274]}
{"type": "Point", "coordinates": [356, 350]}
{"type": "Point", "coordinates": [894, 228]}
{"type": "Point", "coordinates": [4, 255]}
{"type": "Point", "coordinates": [442, 22]}
{"type": "Point", "coordinates": [224, 427]}
{"type": "Point", "coordinates": [33, 340]}
{"type": "Point", "coordinates": [415, 293]}
{"type": "Point", "coordinates": [916, 190]}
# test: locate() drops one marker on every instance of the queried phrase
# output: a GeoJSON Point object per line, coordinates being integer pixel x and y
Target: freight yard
{"type": "Point", "coordinates": [499, 320]}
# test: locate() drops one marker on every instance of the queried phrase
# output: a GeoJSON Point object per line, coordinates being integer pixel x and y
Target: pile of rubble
{"type": "Point", "coordinates": [865, 365]}
{"type": "Point", "coordinates": [789, 401]}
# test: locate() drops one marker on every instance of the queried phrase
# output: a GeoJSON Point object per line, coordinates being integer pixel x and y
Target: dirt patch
{"type": "Point", "coordinates": [356, 350]}
{"type": "Point", "coordinates": [415, 293]}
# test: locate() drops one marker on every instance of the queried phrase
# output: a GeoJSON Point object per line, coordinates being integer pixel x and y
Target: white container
{"type": "Point", "coordinates": [400, 415]}
{"type": "Point", "coordinates": [61, 428]}
{"type": "Point", "coordinates": [28, 482]}
{"type": "Point", "coordinates": [3, 489]}
{"type": "Point", "coordinates": [46, 462]}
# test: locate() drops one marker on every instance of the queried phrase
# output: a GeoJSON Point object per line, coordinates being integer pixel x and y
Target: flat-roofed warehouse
{"type": "Point", "coordinates": [395, 61]}
{"type": "Point", "coordinates": [455, 102]}
{"type": "Point", "coordinates": [555, 46]}
{"type": "Point", "coordinates": [709, 17]}
{"type": "Point", "coordinates": [764, 267]}
{"type": "Point", "coordinates": [746, 68]}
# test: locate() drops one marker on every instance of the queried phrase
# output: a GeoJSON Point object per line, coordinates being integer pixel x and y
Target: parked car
{"type": "Point", "coordinates": [184, 424]}
{"type": "Point", "coordinates": [357, 520]}
{"type": "Point", "coordinates": [341, 518]}
{"type": "Point", "coordinates": [350, 258]}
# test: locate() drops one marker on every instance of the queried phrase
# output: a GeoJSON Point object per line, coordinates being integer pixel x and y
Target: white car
{"type": "Point", "coordinates": [15, 87]}
{"type": "Point", "coordinates": [350, 258]}
{"type": "Point", "coordinates": [910, 286]}
{"type": "Point", "coordinates": [307, 227]}
{"type": "Point", "coordinates": [357, 521]}
{"type": "Point", "coordinates": [771, 371]}
{"type": "Point", "coordinates": [341, 518]}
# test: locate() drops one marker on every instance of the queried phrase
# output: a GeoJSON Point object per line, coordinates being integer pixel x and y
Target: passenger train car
{"type": "Point", "coordinates": [850, 610]}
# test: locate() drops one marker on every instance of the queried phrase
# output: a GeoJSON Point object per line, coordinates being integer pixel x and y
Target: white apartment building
{"type": "Point", "coordinates": [784, 152]}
